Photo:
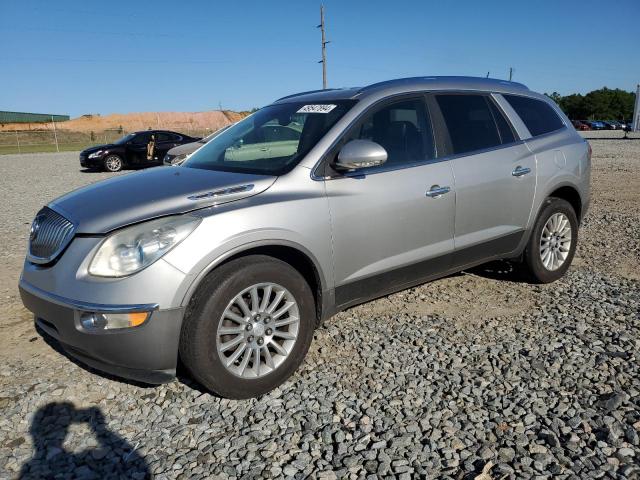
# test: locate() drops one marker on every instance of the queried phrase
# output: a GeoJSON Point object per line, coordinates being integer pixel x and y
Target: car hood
{"type": "Point", "coordinates": [187, 148]}
{"type": "Point", "coordinates": [95, 148]}
{"type": "Point", "coordinates": [132, 198]}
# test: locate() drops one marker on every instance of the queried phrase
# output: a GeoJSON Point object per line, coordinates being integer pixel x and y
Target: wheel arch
{"type": "Point", "coordinates": [571, 194]}
{"type": "Point", "coordinates": [295, 255]}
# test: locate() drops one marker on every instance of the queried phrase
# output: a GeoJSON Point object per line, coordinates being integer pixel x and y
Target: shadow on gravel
{"type": "Point", "coordinates": [110, 456]}
{"type": "Point", "coordinates": [502, 270]}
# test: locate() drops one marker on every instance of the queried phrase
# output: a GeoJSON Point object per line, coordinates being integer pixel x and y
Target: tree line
{"type": "Point", "coordinates": [602, 104]}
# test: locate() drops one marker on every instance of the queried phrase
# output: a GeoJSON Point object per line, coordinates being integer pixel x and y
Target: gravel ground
{"type": "Point", "coordinates": [478, 372]}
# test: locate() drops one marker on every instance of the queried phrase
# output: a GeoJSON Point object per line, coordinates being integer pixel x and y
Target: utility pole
{"type": "Point", "coordinates": [324, 49]}
{"type": "Point", "coordinates": [510, 73]}
{"type": "Point", "coordinates": [55, 133]}
{"type": "Point", "coordinates": [636, 111]}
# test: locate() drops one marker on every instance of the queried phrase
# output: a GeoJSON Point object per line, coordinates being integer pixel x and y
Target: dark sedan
{"type": "Point", "coordinates": [579, 125]}
{"type": "Point", "coordinates": [137, 149]}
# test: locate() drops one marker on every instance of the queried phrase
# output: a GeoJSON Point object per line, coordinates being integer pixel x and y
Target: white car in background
{"type": "Point", "coordinates": [179, 154]}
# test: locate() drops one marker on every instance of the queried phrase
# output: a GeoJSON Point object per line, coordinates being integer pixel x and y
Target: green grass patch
{"type": "Point", "coordinates": [12, 149]}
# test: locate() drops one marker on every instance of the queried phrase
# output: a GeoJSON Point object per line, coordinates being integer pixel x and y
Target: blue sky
{"type": "Point", "coordinates": [80, 57]}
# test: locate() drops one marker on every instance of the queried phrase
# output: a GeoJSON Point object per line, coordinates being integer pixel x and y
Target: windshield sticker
{"type": "Point", "coordinates": [316, 109]}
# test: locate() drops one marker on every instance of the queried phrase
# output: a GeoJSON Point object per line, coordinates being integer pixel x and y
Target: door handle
{"type": "Point", "coordinates": [437, 191]}
{"type": "Point", "coordinates": [520, 171]}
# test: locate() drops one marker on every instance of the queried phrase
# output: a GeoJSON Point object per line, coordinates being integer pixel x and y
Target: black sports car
{"type": "Point", "coordinates": [137, 149]}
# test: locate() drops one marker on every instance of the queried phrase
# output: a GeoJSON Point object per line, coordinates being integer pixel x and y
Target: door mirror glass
{"type": "Point", "coordinates": [360, 154]}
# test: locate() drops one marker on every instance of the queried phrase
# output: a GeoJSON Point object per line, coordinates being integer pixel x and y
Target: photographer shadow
{"type": "Point", "coordinates": [111, 457]}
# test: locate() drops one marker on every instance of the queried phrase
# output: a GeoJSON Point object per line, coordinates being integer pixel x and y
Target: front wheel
{"type": "Point", "coordinates": [113, 163]}
{"type": "Point", "coordinates": [248, 327]}
{"type": "Point", "coordinates": [553, 241]}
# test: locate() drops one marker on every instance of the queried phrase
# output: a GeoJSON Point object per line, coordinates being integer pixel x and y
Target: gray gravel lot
{"type": "Point", "coordinates": [476, 371]}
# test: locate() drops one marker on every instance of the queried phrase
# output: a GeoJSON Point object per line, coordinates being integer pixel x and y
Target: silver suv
{"type": "Point", "coordinates": [317, 202]}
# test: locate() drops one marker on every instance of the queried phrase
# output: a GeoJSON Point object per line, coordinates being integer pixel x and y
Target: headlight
{"type": "Point", "coordinates": [96, 154]}
{"type": "Point", "coordinates": [178, 159]}
{"type": "Point", "coordinates": [134, 248]}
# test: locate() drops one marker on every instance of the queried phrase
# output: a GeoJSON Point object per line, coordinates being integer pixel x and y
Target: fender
{"type": "Point", "coordinates": [538, 208]}
{"type": "Point", "coordinates": [249, 246]}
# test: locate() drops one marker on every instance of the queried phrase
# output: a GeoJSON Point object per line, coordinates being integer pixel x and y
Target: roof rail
{"type": "Point", "coordinates": [310, 91]}
{"type": "Point", "coordinates": [488, 81]}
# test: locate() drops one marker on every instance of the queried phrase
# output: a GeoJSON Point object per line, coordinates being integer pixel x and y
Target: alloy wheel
{"type": "Point", "coordinates": [555, 241]}
{"type": "Point", "coordinates": [113, 163]}
{"type": "Point", "coordinates": [257, 331]}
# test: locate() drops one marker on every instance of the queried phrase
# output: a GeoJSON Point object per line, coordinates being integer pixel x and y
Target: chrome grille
{"type": "Point", "coordinates": [50, 234]}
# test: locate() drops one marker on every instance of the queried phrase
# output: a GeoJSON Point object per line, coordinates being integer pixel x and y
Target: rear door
{"type": "Point", "coordinates": [165, 141]}
{"type": "Point", "coordinates": [495, 175]}
{"type": "Point", "coordinates": [390, 227]}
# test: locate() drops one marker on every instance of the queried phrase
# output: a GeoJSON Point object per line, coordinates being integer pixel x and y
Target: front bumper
{"type": "Point", "coordinates": [87, 162]}
{"type": "Point", "coordinates": [147, 353]}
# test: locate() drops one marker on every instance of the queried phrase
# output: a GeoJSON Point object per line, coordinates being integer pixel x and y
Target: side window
{"type": "Point", "coordinates": [141, 138]}
{"type": "Point", "coordinates": [402, 128]}
{"type": "Point", "coordinates": [289, 134]}
{"type": "Point", "coordinates": [470, 122]}
{"type": "Point", "coordinates": [538, 116]}
{"type": "Point", "coordinates": [163, 137]}
{"type": "Point", "coordinates": [278, 133]}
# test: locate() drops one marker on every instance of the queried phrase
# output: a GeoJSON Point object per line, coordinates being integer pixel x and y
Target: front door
{"type": "Point", "coordinates": [392, 225]}
{"type": "Point", "coordinates": [137, 148]}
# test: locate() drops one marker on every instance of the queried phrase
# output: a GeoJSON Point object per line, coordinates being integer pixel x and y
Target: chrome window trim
{"type": "Point", "coordinates": [63, 245]}
{"type": "Point", "coordinates": [86, 306]}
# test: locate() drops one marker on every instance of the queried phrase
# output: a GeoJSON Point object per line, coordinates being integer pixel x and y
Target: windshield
{"type": "Point", "coordinates": [214, 134]}
{"type": "Point", "coordinates": [124, 139]}
{"type": "Point", "coordinates": [271, 141]}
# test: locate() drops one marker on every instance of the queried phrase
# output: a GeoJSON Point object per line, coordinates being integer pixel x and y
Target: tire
{"type": "Point", "coordinates": [201, 339]}
{"type": "Point", "coordinates": [113, 163]}
{"type": "Point", "coordinates": [554, 267]}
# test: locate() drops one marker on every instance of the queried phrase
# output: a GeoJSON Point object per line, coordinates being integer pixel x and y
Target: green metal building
{"type": "Point", "coordinates": [22, 117]}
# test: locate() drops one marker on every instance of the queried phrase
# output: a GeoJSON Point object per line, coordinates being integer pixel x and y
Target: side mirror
{"type": "Point", "coordinates": [360, 154]}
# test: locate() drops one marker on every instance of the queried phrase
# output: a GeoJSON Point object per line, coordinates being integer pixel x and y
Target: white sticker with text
{"type": "Point", "coordinates": [316, 109]}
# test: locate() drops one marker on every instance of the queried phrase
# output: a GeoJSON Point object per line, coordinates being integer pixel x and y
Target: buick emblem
{"type": "Point", "coordinates": [35, 227]}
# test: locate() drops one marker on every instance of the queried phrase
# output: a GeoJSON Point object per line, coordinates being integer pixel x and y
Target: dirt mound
{"type": "Point", "coordinates": [129, 122]}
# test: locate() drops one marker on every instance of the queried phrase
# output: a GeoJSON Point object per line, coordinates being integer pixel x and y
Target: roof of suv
{"type": "Point", "coordinates": [412, 84]}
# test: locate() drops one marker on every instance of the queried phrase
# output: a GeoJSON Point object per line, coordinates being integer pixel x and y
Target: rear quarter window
{"type": "Point", "coordinates": [538, 116]}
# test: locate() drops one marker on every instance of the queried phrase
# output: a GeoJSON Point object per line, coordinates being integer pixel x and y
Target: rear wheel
{"type": "Point", "coordinates": [113, 163]}
{"type": "Point", "coordinates": [553, 241]}
{"type": "Point", "coordinates": [248, 327]}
